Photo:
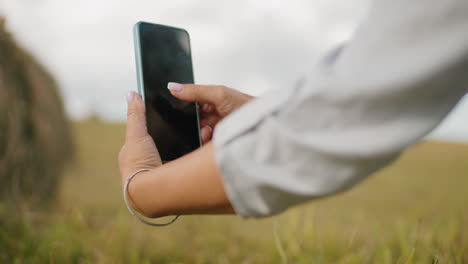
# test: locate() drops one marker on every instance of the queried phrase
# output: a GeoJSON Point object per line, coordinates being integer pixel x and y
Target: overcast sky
{"type": "Point", "coordinates": [249, 45]}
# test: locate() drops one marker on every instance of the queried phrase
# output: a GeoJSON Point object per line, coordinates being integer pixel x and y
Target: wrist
{"type": "Point", "coordinates": [131, 204]}
{"type": "Point", "coordinates": [136, 193]}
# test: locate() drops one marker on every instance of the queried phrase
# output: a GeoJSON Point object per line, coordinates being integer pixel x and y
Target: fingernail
{"type": "Point", "coordinates": [176, 87]}
{"type": "Point", "coordinates": [130, 96]}
{"type": "Point", "coordinates": [210, 128]}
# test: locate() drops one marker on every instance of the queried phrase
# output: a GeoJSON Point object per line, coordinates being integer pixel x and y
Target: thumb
{"type": "Point", "coordinates": [207, 94]}
{"type": "Point", "coordinates": [136, 119]}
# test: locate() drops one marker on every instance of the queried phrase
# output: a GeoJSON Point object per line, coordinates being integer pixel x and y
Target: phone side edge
{"type": "Point", "coordinates": [138, 62]}
{"type": "Point", "coordinates": [197, 105]}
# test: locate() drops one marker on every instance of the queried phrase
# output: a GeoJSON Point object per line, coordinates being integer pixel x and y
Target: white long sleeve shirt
{"type": "Point", "coordinates": [404, 70]}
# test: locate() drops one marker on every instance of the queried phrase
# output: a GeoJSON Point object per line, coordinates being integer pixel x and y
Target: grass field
{"type": "Point", "coordinates": [416, 211]}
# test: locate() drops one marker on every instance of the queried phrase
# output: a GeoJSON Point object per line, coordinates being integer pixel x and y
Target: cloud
{"type": "Point", "coordinates": [249, 45]}
{"type": "Point", "coordinates": [455, 126]}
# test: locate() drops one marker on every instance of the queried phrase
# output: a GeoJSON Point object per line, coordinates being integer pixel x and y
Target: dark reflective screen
{"type": "Point", "coordinates": [165, 57]}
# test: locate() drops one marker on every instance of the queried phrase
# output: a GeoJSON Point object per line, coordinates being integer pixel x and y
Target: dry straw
{"type": "Point", "coordinates": [35, 138]}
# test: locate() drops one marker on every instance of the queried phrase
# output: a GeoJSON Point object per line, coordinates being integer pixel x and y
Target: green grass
{"type": "Point", "coordinates": [415, 211]}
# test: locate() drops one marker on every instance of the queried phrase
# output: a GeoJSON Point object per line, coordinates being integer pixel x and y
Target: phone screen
{"type": "Point", "coordinates": [165, 56]}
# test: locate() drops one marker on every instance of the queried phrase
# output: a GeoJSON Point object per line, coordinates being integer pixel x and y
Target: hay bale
{"type": "Point", "coordinates": [35, 138]}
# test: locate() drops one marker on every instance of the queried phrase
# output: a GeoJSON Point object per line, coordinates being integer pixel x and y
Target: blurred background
{"type": "Point", "coordinates": [65, 68]}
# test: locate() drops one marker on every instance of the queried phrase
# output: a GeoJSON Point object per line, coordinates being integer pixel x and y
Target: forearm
{"type": "Point", "coordinates": [189, 185]}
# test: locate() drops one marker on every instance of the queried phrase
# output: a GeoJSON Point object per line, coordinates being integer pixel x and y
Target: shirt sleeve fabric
{"type": "Point", "coordinates": [404, 70]}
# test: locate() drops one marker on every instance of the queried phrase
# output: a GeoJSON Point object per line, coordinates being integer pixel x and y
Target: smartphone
{"type": "Point", "coordinates": [163, 55]}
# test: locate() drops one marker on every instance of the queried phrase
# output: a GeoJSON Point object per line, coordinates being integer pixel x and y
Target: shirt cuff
{"type": "Point", "coordinates": [232, 129]}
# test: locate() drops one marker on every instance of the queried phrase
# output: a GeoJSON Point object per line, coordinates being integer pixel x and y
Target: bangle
{"type": "Point", "coordinates": [137, 216]}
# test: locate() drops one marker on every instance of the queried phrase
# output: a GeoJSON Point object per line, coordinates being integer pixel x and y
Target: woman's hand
{"type": "Point", "coordinates": [216, 102]}
{"type": "Point", "coordinates": [139, 150]}
{"type": "Point", "coordinates": [191, 184]}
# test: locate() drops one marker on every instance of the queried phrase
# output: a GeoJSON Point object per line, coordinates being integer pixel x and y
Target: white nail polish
{"type": "Point", "coordinates": [176, 87]}
{"type": "Point", "coordinates": [130, 96]}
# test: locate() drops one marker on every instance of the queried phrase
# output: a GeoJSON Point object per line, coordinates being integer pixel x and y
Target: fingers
{"type": "Point", "coordinates": [209, 120]}
{"type": "Point", "coordinates": [136, 120]}
{"type": "Point", "coordinates": [204, 123]}
{"type": "Point", "coordinates": [210, 94]}
{"type": "Point", "coordinates": [206, 133]}
{"type": "Point", "coordinates": [207, 108]}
